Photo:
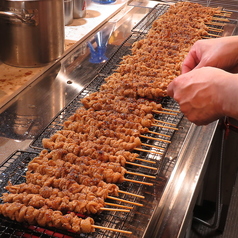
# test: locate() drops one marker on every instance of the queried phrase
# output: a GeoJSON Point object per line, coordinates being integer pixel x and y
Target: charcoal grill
{"type": "Point", "coordinates": [180, 165]}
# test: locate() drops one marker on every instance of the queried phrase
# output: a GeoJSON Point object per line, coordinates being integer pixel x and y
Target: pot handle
{"type": "Point", "coordinates": [28, 18]}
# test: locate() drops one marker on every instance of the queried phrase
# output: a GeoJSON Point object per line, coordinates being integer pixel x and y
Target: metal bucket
{"type": "Point", "coordinates": [79, 8]}
{"type": "Point", "coordinates": [68, 12]}
{"type": "Point", "coordinates": [32, 32]}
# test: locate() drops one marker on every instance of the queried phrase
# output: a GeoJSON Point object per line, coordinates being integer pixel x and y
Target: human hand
{"type": "Point", "coordinates": [220, 53]}
{"type": "Point", "coordinates": [206, 94]}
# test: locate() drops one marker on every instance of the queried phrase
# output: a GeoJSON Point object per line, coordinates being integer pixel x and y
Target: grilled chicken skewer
{"type": "Point", "coordinates": [101, 190]}
{"type": "Point", "coordinates": [63, 204]}
{"type": "Point", "coordinates": [47, 192]}
{"type": "Point", "coordinates": [46, 217]}
{"type": "Point", "coordinates": [83, 170]}
{"type": "Point", "coordinates": [49, 218]}
{"type": "Point", "coordinates": [107, 101]}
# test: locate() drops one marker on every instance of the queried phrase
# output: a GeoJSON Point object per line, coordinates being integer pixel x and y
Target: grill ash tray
{"type": "Point", "coordinates": [14, 169]}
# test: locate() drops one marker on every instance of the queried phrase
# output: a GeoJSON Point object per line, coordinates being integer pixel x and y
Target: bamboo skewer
{"type": "Point", "coordinates": [118, 205]}
{"type": "Point", "coordinates": [224, 13]}
{"type": "Point", "coordinates": [162, 112]}
{"type": "Point", "coordinates": [148, 151]}
{"type": "Point", "coordinates": [126, 201]}
{"type": "Point", "coordinates": [139, 174]}
{"type": "Point", "coordinates": [145, 160]}
{"type": "Point", "coordinates": [111, 229]}
{"type": "Point", "coordinates": [170, 110]}
{"type": "Point", "coordinates": [220, 19]}
{"type": "Point", "coordinates": [156, 147]}
{"type": "Point", "coordinates": [215, 29]}
{"type": "Point", "coordinates": [152, 138]}
{"type": "Point", "coordinates": [216, 24]}
{"type": "Point", "coordinates": [126, 208]}
{"type": "Point", "coordinates": [156, 133]}
{"type": "Point", "coordinates": [140, 182]}
{"type": "Point", "coordinates": [141, 165]}
{"type": "Point", "coordinates": [165, 122]}
{"type": "Point", "coordinates": [214, 35]}
{"type": "Point", "coordinates": [131, 194]}
{"type": "Point", "coordinates": [168, 127]}
{"type": "Point", "coordinates": [114, 209]}
{"type": "Point", "coordinates": [158, 139]}
{"type": "Point", "coordinates": [152, 146]}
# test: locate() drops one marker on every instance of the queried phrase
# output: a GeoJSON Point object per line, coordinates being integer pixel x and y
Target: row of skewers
{"type": "Point", "coordinates": [65, 180]}
{"type": "Point", "coordinates": [81, 165]}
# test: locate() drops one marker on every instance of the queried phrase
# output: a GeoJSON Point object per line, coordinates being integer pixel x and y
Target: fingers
{"type": "Point", "coordinates": [190, 61]}
{"type": "Point", "coordinates": [170, 90]}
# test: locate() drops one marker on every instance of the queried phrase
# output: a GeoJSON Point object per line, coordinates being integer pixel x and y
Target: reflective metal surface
{"type": "Point", "coordinates": [174, 212]}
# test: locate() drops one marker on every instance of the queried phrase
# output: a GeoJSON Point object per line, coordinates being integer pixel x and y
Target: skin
{"type": "Point", "coordinates": [220, 53]}
{"type": "Point", "coordinates": [207, 89]}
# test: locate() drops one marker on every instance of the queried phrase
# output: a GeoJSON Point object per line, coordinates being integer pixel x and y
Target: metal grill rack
{"type": "Point", "coordinates": [145, 23]}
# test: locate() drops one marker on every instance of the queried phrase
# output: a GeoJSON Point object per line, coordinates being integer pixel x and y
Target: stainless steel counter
{"type": "Point", "coordinates": [14, 79]}
{"type": "Point", "coordinates": [24, 116]}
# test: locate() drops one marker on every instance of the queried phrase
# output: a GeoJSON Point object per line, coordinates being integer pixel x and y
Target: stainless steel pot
{"type": "Point", "coordinates": [79, 8]}
{"type": "Point", "coordinates": [32, 32]}
{"type": "Point", "coordinates": [68, 12]}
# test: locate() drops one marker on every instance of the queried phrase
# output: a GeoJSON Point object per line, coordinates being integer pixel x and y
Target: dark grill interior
{"type": "Point", "coordinates": [137, 220]}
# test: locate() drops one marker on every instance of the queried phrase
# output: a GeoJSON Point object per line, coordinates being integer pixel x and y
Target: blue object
{"type": "Point", "coordinates": [97, 54]}
{"type": "Point", "coordinates": [98, 44]}
{"type": "Point", "coordinates": [104, 1]}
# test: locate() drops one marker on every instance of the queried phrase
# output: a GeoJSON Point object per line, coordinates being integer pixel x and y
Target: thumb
{"type": "Point", "coordinates": [170, 89]}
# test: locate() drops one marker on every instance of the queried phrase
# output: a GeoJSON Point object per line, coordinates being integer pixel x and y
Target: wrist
{"type": "Point", "coordinates": [229, 96]}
